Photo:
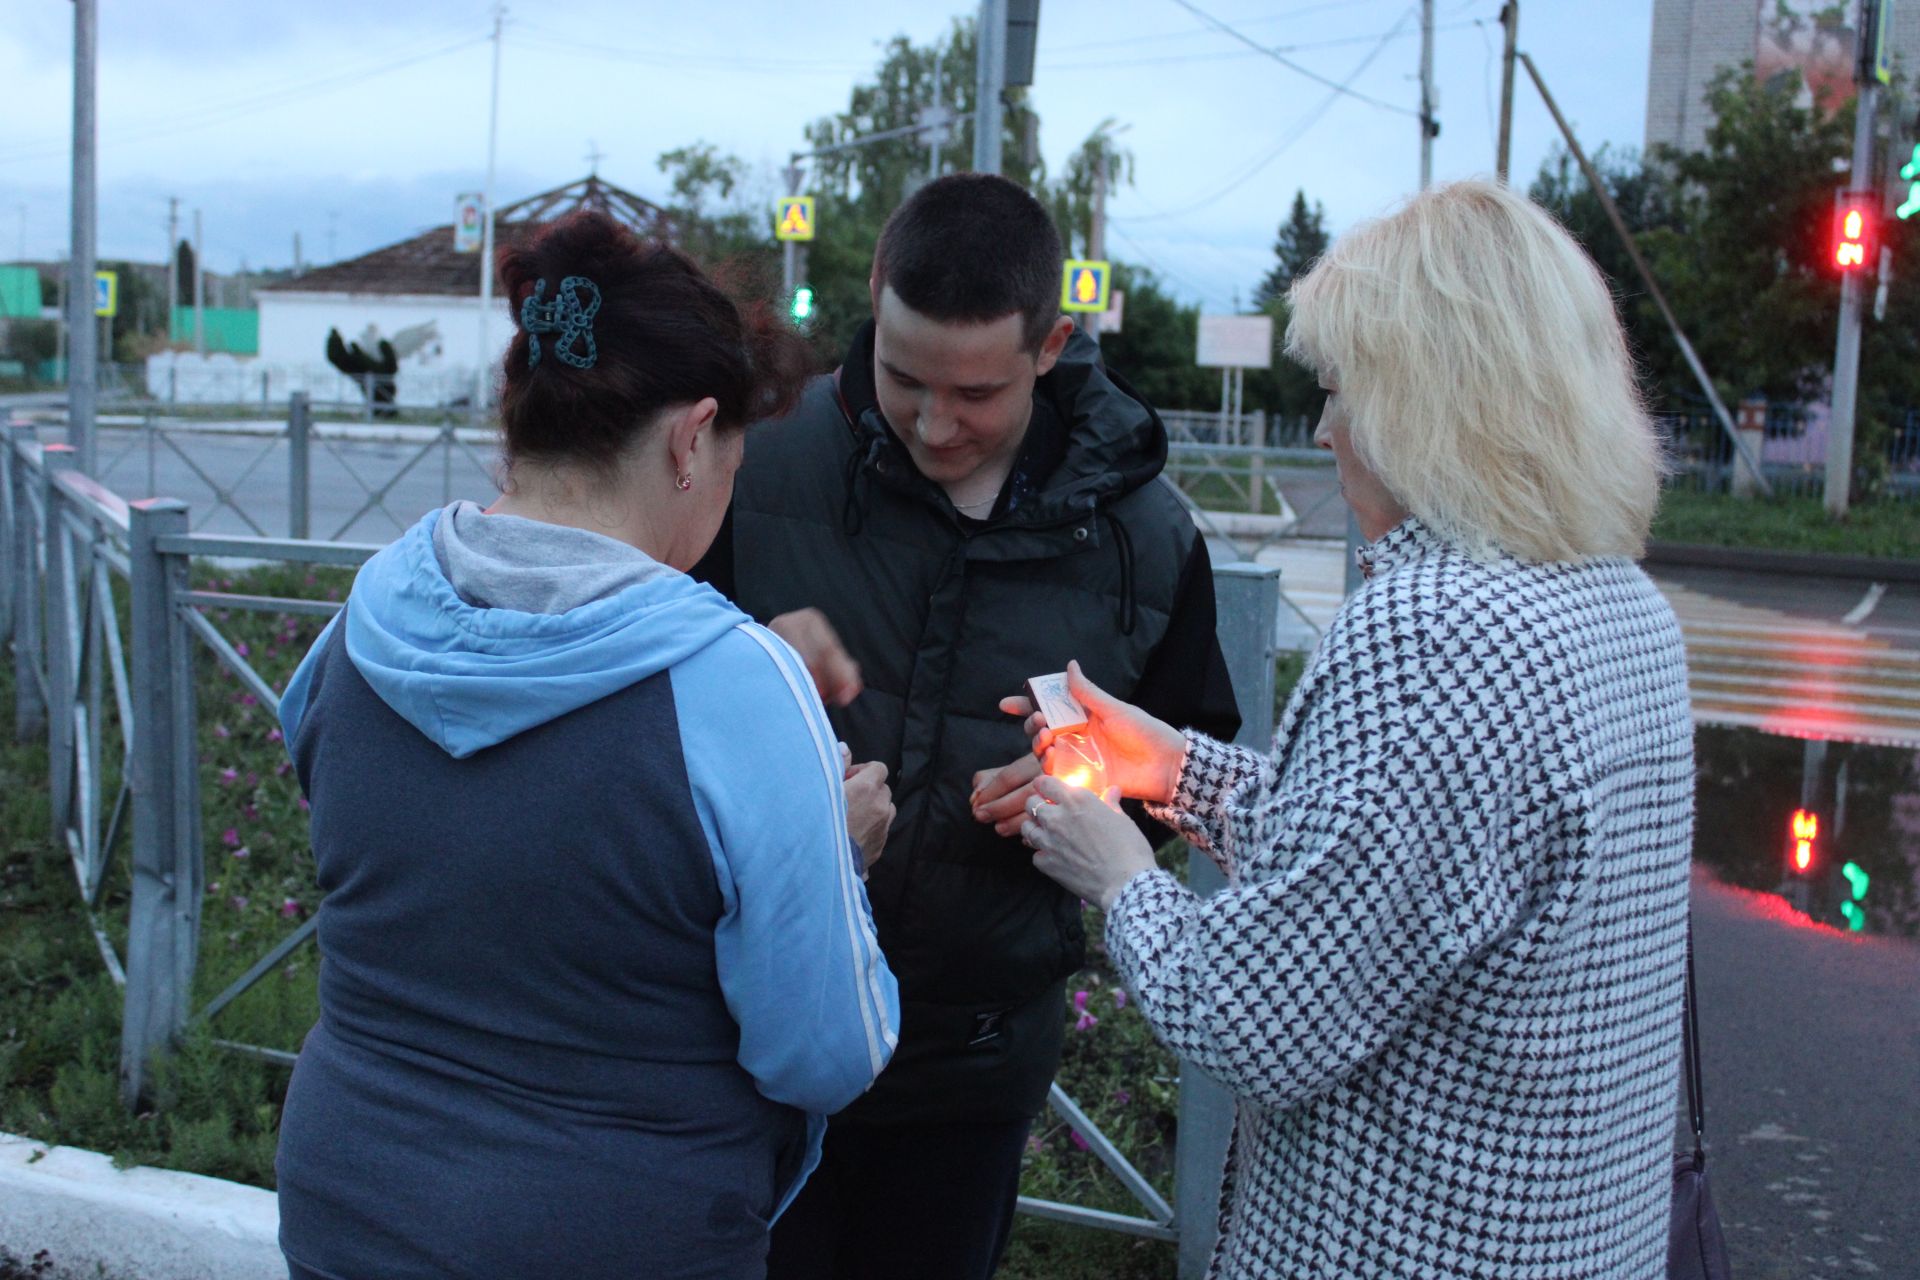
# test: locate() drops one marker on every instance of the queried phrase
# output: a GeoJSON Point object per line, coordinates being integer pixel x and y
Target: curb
{"type": "Point", "coordinates": [154, 1224]}
{"type": "Point", "coordinates": [1803, 563]}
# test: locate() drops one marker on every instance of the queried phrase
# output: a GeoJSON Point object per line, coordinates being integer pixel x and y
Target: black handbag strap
{"type": "Point", "coordinates": [1690, 1021]}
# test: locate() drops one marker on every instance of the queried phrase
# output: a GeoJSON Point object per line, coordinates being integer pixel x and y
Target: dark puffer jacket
{"type": "Point", "coordinates": [1097, 561]}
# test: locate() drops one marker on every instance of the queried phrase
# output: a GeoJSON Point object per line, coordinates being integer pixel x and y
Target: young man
{"type": "Point", "coordinates": [970, 500]}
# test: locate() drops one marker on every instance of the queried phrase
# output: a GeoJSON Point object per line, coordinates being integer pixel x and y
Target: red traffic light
{"type": "Point", "coordinates": [1806, 829]}
{"type": "Point", "coordinates": [1855, 223]}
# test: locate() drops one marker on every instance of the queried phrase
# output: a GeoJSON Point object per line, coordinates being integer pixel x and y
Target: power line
{"type": "Point", "coordinates": [1293, 135]}
{"type": "Point", "coordinates": [1154, 265]}
{"type": "Point", "coordinates": [1189, 33]}
{"type": "Point", "coordinates": [1221, 55]}
{"type": "Point", "coordinates": [1289, 63]}
{"type": "Point", "coordinates": [216, 111]}
{"type": "Point", "coordinates": [542, 39]}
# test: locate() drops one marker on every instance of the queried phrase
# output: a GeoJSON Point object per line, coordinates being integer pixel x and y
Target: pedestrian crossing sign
{"type": "Point", "coordinates": [106, 293]}
{"type": "Point", "coordinates": [1085, 284]}
{"type": "Point", "coordinates": [793, 218]}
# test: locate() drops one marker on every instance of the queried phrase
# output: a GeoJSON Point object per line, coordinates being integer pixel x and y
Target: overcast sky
{"type": "Point", "coordinates": [356, 122]}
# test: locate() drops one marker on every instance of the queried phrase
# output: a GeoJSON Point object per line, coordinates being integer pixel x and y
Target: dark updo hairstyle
{"type": "Point", "coordinates": [666, 335]}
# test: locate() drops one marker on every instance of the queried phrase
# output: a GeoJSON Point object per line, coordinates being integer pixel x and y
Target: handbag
{"type": "Point", "coordinates": [1696, 1249]}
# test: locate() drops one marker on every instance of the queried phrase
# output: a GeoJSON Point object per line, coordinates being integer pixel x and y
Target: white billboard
{"type": "Point", "coordinates": [1235, 342]}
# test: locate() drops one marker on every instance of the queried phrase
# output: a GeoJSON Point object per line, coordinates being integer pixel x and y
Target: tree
{"type": "Point", "coordinates": [715, 220]}
{"type": "Point", "coordinates": [183, 274]}
{"type": "Point", "coordinates": [1301, 240]}
{"type": "Point", "coordinates": [1071, 199]}
{"type": "Point", "coordinates": [1154, 348]}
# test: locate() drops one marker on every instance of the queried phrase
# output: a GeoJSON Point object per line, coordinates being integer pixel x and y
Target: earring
{"type": "Point", "coordinates": [685, 482]}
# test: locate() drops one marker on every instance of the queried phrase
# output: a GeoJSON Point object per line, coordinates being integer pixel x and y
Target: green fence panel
{"type": "Point", "coordinates": [229, 329]}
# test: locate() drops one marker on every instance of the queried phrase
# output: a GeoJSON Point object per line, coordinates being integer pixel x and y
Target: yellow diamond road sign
{"type": "Point", "coordinates": [793, 218]}
{"type": "Point", "coordinates": [1085, 285]}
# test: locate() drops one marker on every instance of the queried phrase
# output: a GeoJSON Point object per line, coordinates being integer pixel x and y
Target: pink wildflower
{"type": "Point", "coordinates": [1078, 1141]}
{"type": "Point", "coordinates": [221, 732]}
{"type": "Point", "coordinates": [1119, 998]}
{"type": "Point", "coordinates": [274, 735]}
{"type": "Point", "coordinates": [1122, 1097]}
{"type": "Point", "coordinates": [290, 908]}
{"type": "Point", "coordinates": [229, 776]}
{"type": "Point", "coordinates": [248, 700]}
{"type": "Point", "coordinates": [239, 902]}
{"type": "Point", "coordinates": [242, 853]}
{"type": "Point", "coordinates": [282, 769]}
{"type": "Point", "coordinates": [304, 806]}
{"type": "Point", "coordinates": [230, 838]}
{"type": "Point", "coordinates": [1080, 1001]}
{"type": "Point", "coordinates": [240, 647]}
{"type": "Point", "coordinates": [1087, 1022]}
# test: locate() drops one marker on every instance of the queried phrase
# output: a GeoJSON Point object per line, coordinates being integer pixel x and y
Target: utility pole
{"type": "Point", "coordinates": [1428, 126]}
{"type": "Point", "coordinates": [199, 288]}
{"type": "Point", "coordinates": [934, 136]}
{"type": "Point", "coordinates": [483, 357]}
{"type": "Point", "coordinates": [83, 341]}
{"type": "Point", "coordinates": [1510, 24]}
{"type": "Point", "coordinates": [790, 249]}
{"type": "Point", "coordinates": [173, 262]}
{"type": "Point", "coordinates": [299, 267]}
{"type": "Point", "coordinates": [1097, 232]}
{"type": "Point", "coordinates": [990, 75]}
{"type": "Point", "coordinates": [1853, 290]}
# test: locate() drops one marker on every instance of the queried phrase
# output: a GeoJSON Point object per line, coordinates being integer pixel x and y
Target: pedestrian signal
{"type": "Point", "coordinates": [1857, 882]}
{"type": "Point", "coordinates": [801, 306]}
{"type": "Point", "coordinates": [1910, 172]}
{"type": "Point", "coordinates": [793, 218]}
{"type": "Point", "coordinates": [1853, 229]}
{"type": "Point", "coordinates": [1806, 829]}
{"type": "Point", "coordinates": [1085, 284]}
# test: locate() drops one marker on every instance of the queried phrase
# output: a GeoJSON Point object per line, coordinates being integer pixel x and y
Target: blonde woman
{"type": "Point", "coordinates": [1444, 977]}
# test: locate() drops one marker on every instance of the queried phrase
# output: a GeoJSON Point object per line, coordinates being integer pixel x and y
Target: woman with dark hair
{"type": "Point", "coordinates": [599, 960]}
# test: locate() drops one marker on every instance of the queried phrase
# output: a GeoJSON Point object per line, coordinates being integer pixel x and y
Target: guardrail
{"type": "Point", "coordinates": [106, 629]}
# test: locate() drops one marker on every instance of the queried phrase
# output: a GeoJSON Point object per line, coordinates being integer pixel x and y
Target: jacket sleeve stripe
{"type": "Point", "coordinates": [866, 950]}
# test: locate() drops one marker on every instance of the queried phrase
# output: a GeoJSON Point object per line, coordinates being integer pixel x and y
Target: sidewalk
{"type": "Point", "coordinates": [1811, 1050]}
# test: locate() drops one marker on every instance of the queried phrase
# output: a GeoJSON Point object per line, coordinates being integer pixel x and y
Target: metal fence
{"type": "Point", "coordinates": [107, 629]}
{"type": "Point", "coordinates": [1792, 450]}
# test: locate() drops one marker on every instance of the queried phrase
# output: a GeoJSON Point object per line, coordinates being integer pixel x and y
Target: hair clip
{"type": "Point", "coordinates": [568, 316]}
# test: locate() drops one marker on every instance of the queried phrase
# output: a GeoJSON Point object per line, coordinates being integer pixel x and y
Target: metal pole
{"type": "Point", "coordinates": [173, 264]}
{"type": "Point", "coordinates": [199, 288]}
{"type": "Point", "coordinates": [1853, 293]}
{"type": "Point", "coordinates": [29, 477]}
{"type": "Point", "coordinates": [1427, 126]}
{"type": "Point", "coordinates": [483, 358]}
{"type": "Point", "coordinates": [990, 74]}
{"type": "Point", "coordinates": [1097, 233]}
{"type": "Point", "coordinates": [1248, 603]}
{"type": "Point", "coordinates": [789, 249]}
{"type": "Point", "coordinates": [299, 465]}
{"type": "Point", "coordinates": [83, 341]}
{"type": "Point", "coordinates": [62, 640]}
{"type": "Point", "coordinates": [1612, 210]}
{"type": "Point", "coordinates": [934, 136]}
{"type": "Point", "coordinates": [162, 923]}
{"type": "Point", "coordinates": [1510, 23]}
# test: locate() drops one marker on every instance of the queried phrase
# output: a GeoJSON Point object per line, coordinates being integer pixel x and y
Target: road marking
{"type": "Point", "coordinates": [1866, 606]}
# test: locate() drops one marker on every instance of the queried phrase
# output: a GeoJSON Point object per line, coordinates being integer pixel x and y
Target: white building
{"type": "Point", "coordinates": [422, 295]}
{"type": "Point", "coordinates": [1693, 40]}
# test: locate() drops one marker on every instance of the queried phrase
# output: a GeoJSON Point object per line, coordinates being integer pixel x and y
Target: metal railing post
{"type": "Point", "coordinates": [29, 705]}
{"type": "Point", "coordinates": [299, 464]}
{"type": "Point", "coordinates": [164, 923]}
{"type": "Point", "coordinates": [9, 534]}
{"type": "Point", "coordinates": [1248, 605]}
{"type": "Point", "coordinates": [62, 640]}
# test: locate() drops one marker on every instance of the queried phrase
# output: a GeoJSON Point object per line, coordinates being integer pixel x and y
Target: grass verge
{"type": "Point", "coordinates": [1886, 527]}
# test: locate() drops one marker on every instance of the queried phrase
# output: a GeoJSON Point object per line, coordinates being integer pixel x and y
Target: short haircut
{"type": "Point", "coordinates": [1485, 376]}
{"type": "Point", "coordinates": [665, 334]}
{"type": "Point", "coordinates": [970, 248]}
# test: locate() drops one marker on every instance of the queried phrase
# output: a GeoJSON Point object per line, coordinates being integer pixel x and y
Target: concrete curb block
{"type": "Point", "coordinates": [1806, 563]}
{"type": "Point", "coordinates": [149, 1224]}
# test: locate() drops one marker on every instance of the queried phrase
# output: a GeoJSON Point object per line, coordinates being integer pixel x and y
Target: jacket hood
{"type": "Point", "coordinates": [470, 677]}
{"type": "Point", "coordinates": [1115, 441]}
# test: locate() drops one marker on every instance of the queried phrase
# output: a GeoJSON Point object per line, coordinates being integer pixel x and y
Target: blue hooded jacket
{"type": "Point", "coordinates": [792, 944]}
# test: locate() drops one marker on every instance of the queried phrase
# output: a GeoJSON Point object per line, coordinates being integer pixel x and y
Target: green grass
{"type": "Point", "coordinates": [1886, 527]}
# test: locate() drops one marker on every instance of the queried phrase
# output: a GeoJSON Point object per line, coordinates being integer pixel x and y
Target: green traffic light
{"type": "Point", "coordinates": [1856, 879]}
{"type": "Point", "coordinates": [1856, 918]}
{"type": "Point", "coordinates": [1911, 172]}
{"type": "Point", "coordinates": [802, 306]}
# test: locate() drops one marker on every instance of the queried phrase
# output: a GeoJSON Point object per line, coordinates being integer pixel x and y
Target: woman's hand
{"type": "Point", "coordinates": [869, 808]}
{"type": "Point", "coordinates": [835, 674]}
{"type": "Point", "coordinates": [1000, 795]}
{"type": "Point", "coordinates": [1143, 755]}
{"type": "Point", "coordinates": [1083, 842]}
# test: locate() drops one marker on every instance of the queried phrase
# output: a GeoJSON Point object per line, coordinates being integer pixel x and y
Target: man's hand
{"type": "Point", "coordinates": [869, 809]}
{"type": "Point", "coordinates": [1000, 795]}
{"type": "Point", "coordinates": [835, 674]}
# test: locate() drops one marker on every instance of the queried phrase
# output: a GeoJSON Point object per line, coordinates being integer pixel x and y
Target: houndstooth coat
{"type": "Point", "coordinates": [1444, 977]}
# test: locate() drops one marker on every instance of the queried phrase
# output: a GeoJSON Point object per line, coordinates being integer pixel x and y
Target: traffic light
{"type": "Point", "coordinates": [1854, 219]}
{"type": "Point", "coordinates": [801, 306]}
{"type": "Point", "coordinates": [1857, 881]}
{"type": "Point", "coordinates": [1806, 830]}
